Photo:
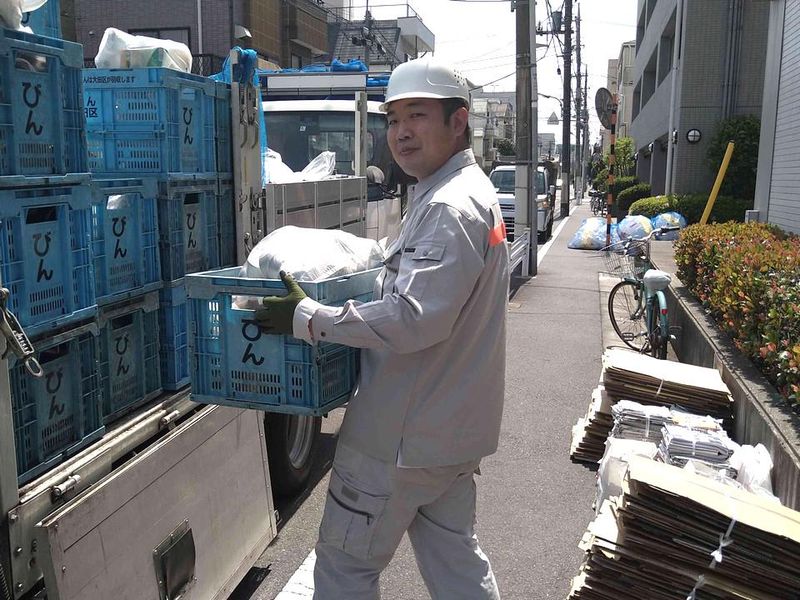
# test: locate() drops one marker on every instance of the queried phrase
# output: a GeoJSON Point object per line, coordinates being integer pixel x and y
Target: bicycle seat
{"type": "Point", "coordinates": [656, 280]}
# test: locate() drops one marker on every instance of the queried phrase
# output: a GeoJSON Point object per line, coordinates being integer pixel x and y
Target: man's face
{"type": "Point", "coordinates": [418, 136]}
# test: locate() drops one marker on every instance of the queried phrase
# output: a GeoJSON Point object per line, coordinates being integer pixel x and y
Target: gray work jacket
{"type": "Point", "coordinates": [434, 337]}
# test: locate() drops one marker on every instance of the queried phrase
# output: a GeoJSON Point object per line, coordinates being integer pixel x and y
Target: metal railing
{"type": "Point", "coordinates": [207, 64]}
{"type": "Point", "coordinates": [378, 11]}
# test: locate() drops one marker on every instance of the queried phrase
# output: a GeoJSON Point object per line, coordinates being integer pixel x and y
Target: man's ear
{"type": "Point", "coordinates": [460, 120]}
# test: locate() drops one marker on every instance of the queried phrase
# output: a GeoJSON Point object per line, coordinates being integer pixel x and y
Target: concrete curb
{"type": "Point", "coordinates": [761, 415]}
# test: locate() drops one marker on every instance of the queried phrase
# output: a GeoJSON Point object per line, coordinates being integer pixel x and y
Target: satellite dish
{"type": "Point", "coordinates": [604, 105]}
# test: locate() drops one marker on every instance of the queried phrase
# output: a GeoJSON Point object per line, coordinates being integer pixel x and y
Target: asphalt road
{"type": "Point", "coordinates": [533, 502]}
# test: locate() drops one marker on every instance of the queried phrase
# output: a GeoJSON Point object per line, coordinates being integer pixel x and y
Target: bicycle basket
{"type": "Point", "coordinates": [626, 259]}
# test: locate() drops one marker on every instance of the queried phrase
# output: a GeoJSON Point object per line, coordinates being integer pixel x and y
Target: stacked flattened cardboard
{"type": "Point", "coordinates": [678, 535]}
{"type": "Point", "coordinates": [633, 376]}
{"type": "Point", "coordinates": [648, 380]}
{"type": "Point", "coordinates": [589, 433]}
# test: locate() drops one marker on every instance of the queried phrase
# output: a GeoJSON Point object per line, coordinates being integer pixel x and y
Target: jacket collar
{"type": "Point", "coordinates": [458, 161]}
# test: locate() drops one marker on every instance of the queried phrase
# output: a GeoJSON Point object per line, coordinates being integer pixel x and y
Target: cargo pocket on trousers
{"type": "Point", "coordinates": [351, 517]}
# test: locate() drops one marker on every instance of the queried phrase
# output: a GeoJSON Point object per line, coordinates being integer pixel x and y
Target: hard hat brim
{"type": "Point", "coordinates": [384, 108]}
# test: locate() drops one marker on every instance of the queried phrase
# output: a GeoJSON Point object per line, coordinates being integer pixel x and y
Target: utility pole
{"type": "Point", "coordinates": [578, 119]}
{"type": "Point", "coordinates": [585, 118]}
{"type": "Point", "coordinates": [524, 193]}
{"type": "Point", "coordinates": [565, 130]}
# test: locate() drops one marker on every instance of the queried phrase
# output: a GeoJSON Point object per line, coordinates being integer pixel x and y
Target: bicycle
{"type": "Point", "coordinates": [597, 203]}
{"type": "Point", "coordinates": [637, 304]}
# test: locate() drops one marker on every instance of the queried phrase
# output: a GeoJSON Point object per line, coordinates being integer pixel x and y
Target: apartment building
{"type": "Point", "coordinates": [291, 33]}
{"type": "Point", "coordinates": [719, 73]}
{"type": "Point", "coordinates": [777, 198]}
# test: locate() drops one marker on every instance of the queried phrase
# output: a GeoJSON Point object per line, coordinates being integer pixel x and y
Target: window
{"type": "Point", "coordinates": [300, 136]}
{"type": "Point", "coordinates": [503, 181]}
{"type": "Point", "coordinates": [176, 34]}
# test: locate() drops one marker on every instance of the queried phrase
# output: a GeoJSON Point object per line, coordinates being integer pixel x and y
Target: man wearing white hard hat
{"type": "Point", "coordinates": [429, 401]}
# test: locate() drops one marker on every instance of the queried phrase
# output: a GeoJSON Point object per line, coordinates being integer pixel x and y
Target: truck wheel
{"type": "Point", "coordinates": [291, 447]}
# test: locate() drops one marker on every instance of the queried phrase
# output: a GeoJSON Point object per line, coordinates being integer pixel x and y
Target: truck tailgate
{"type": "Point", "coordinates": [206, 484]}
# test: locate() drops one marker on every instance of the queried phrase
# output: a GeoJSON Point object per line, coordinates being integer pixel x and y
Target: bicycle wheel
{"type": "Point", "coordinates": [626, 309]}
{"type": "Point", "coordinates": [658, 341]}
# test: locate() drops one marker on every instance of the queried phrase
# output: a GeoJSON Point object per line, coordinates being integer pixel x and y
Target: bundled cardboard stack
{"type": "Point", "coordinates": [647, 380]}
{"type": "Point", "coordinates": [589, 434]}
{"type": "Point", "coordinates": [678, 535]}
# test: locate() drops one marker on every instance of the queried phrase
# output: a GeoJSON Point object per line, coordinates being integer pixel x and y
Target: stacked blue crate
{"type": "Point", "coordinates": [129, 354]}
{"type": "Point", "coordinates": [235, 364]}
{"type": "Point", "coordinates": [59, 413]}
{"type": "Point", "coordinates": [125, 238]}
{"type": "Point", "coordinates": [41, 122]}
{"type": "Point", "coordinates": [170, 129]}
{"type": "Point", "coordinates": [46, 242]}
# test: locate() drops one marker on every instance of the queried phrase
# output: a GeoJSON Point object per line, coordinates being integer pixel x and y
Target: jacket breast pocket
{"type": "Point", "coordinates": [434, 252]}
{"type": "Point", "coordinates": [351, 517]}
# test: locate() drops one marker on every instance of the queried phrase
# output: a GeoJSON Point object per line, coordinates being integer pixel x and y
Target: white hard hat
{"type": "Point", "coordinates": [425, 78]}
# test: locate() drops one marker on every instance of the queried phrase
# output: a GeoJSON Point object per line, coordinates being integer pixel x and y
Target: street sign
{"type": "Point", "coordinates": [552, 119]}
{"type": "Point", "coordinates": [604, 104]}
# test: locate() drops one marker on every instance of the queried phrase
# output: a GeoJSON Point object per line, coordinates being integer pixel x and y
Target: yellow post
{"type": "Point", "coordinates": [723, 168]}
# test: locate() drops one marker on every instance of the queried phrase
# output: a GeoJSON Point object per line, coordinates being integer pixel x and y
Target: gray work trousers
{"type": "Point", "coordinates": [371, 504]}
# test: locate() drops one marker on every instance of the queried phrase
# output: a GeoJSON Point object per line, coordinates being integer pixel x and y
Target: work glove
{"type": "Point", "coordinates": [277, 315]}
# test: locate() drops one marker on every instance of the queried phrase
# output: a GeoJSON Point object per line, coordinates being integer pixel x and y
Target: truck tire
{"type": "Point", "coordinates": [292, 442]}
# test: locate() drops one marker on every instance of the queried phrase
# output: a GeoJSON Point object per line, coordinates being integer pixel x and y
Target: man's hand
{"type": "Point", "coordinates": [277, 315]}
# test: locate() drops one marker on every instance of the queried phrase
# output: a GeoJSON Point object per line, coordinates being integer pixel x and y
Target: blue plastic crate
{"type": "Point", "coordinates": [41, 111]}
{"type": "Point", "coordinates": [224, 146]}
{"type": "Point", "coordinates": [188, 220]}
{"type": "Point", "coordinates": [235, 364]}
{"type": "Point", "coordinates": [227, 225]}
{"type": "Point", "coordinates": [45, 254]}
{"type": "Point", "coordinates": [129, 355]}
{"type": "Point", "coordinates": [46, 20]}
{"type": "Point", "coordinates": [149, 121]}
{"type": "Point", "coordinates": [59, 413]}
{"type": "Point", "coordinates": [173, 319]}
{"type": "Point", "coordinates": [125, 238]}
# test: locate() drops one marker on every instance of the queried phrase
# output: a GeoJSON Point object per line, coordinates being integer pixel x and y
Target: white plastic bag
{"type": "Point", "coordinates": [121, 50]}
{"type": "Point", "coordinates": [11, 13]}
{"type": "Point", "coordinates": [321, 167]}
{"type": "Point", "coordinates": [318, 169]}
{"type": "Point", "coordinates": [754, 464]}
{"type": "Point", "coordinates": [311, 254]}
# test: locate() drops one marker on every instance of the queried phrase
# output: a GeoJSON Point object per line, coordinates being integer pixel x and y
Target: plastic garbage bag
{"type": "Point", "coordinates": [318, 169]}
{"type": "Point", "coordinates": [634, 227]}
{"type": "Point", "coordinates": [11, 14]}
{"type": "Point", "coordinates": [669, 219]}
{"type": "Point", "coordinates": [121, 50]}
{"type": "Point", "coordinates": [753, 464]}
{"type": "Point", "coordinates": [311, 254]}
{"type": "Point", "coordinates": [591, 235]}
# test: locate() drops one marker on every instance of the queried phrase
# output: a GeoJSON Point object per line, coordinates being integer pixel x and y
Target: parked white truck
{"type": "Point", "coordinates": [504, 180]}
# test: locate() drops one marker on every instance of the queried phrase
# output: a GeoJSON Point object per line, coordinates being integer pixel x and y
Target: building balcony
{"type": "Point", "coordinates": [307, 25]}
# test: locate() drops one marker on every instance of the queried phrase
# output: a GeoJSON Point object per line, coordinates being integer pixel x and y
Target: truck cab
{"type": "Point", "coordinates": [503, 178]}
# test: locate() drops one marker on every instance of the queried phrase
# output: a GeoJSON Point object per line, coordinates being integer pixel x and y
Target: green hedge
{"type": "Point", "coordinates": [622, 183]}
{"type": "Point", "coordinates": [748, 276]}
{"type": "Point", "coordinates": [692, 207]}
{"type": "Point", "coordinates": [630, 195]}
